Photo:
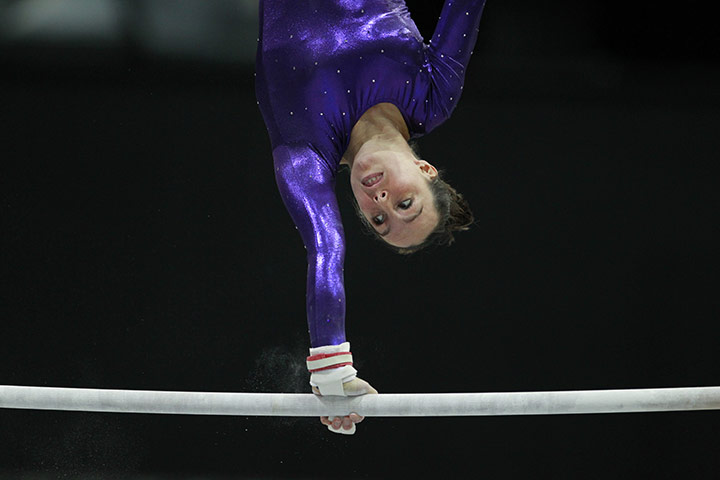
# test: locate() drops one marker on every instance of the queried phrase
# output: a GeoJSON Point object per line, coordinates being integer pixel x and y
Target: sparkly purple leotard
{"type": "Point", "coordinates": [320, 65]}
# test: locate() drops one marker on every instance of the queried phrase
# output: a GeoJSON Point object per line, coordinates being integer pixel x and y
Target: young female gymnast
{"type": "Point", "coordinates": [350, 82]}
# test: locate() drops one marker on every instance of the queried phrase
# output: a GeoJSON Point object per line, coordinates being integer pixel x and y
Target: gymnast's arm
{"type": "Point", "coordinates": [307, 186]}
{"type": "Point", "coordinates": [450, 49]}
{"type": "Point", "coordinates": [457, 28]}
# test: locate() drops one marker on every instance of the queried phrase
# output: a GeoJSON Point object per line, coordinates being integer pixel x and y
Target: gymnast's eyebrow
{"type": "Point", "coordinates": [413, 217]}
{"type": "Point", "coordinates": [406, 220]}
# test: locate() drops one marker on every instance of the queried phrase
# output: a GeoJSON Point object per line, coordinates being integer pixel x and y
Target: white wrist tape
{"type": "Point", "coordinates": [330, 366]}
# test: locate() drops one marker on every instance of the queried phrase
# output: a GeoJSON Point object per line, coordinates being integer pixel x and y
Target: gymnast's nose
{"type": "Point", "coordinates": [381, 196]}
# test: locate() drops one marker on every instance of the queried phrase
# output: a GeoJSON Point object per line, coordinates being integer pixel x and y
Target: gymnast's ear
{"type": "Point", "coordinates": [427, 169]}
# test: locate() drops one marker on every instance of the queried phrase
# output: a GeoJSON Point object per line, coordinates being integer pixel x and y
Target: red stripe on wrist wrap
{"type": "Point", "coordinates": [330, 367]}
{"type": "Point", "coordinates": [324, 361]}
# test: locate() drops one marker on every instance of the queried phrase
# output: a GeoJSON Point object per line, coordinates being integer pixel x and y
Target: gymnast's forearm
{"type": "Point", "coordinates": [326, 295]}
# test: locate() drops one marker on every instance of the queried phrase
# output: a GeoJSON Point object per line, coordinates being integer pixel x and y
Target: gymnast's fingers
{"type": "Point", "coordinates": [356, 418]}
{"type": "Point", "coordinates": [344, 424]}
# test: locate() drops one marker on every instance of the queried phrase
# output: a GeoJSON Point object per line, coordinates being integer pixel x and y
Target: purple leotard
{"type": "Point", "coordinates": [320, 65]}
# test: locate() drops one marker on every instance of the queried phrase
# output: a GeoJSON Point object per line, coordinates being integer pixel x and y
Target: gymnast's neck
{"type": "Point", "coordinates": [381, 127]}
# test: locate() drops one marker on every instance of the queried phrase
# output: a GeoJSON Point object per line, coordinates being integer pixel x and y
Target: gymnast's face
{"type": "Point", "coordinates": [393, 192]}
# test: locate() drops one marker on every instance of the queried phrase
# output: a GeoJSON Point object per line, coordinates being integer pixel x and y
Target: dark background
{"type": "Point", "coordinates": [144, 246]}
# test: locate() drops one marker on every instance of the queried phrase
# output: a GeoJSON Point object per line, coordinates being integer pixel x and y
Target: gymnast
{"type": "Point", "coordinates": [352, 82]}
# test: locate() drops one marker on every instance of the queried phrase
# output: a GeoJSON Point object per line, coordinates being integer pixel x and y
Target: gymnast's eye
{"type": "Point", "coordinates": [405, 204]}
{"type": "Point", "coordinates": [378, 219]}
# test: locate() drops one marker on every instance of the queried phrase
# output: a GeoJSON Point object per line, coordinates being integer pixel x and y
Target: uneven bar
{"type": "Point", "coordinates": [383, 405]}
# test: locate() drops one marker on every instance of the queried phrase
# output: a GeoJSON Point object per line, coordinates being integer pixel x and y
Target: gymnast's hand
{"type": "Point", "coordinates": [354, 387]}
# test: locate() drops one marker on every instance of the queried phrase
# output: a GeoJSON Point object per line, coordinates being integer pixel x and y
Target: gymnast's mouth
{"type": "Point", "coordinates": [372, 179]}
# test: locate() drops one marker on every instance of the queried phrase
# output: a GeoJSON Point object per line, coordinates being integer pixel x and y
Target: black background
{"type": "Point", "coordinates": [144, 246]}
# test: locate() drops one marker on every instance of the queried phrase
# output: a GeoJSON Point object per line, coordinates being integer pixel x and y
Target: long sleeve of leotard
{"type": "Point", "coordinates": [307, 186]}
{"type": "Point", "coordinates": [449, 52]}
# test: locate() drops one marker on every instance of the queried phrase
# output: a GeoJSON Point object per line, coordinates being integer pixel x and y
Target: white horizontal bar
{"type": "Point", "coordinates": [383, 405]}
